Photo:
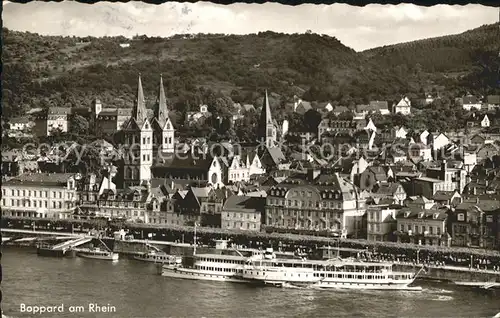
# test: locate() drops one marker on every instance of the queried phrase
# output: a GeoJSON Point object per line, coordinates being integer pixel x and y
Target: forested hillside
{"type": "Point", "coordinates": [39, 71]}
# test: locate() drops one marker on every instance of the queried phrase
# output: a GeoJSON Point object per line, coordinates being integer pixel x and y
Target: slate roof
{"type": "Point", "coordinates": [245, 204]}
{"type": "Point", "coordinates": [20, 120]}
{"type": "Point", "coordinates": [484, 205]}
{"type": "Point", "coordinates": [40, 179]}
{"type": "Point", "coordinates": [276, 154]}
{"type": "Point", "coordinates": [379, 172]}
{"type": "Point", "coordinates": [388, 188]}
{"type": "Point", "coordinates": [443, 195]}
{"type": "Point", "coordinates": [416, 214]}
{"type": "Point", "coordinates": [379, 105]}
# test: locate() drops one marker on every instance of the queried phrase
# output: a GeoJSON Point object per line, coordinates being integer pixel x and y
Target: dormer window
{"type": "Point", "coordinates": [435, 216]}
{"type": "Point", "coordinates": [421, 215]}
{"type": "Point", "coordinates": [461, 217]}
{"type": "Point", "coordinates": [407, 214]}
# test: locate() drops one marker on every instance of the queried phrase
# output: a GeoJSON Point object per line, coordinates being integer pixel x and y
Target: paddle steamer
{"type": "Point", "coordinates": [334, 273]}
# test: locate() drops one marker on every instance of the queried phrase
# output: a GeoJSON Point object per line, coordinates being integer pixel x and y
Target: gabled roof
{"type": "Point", "coordinates": [378, 171]}
{"type": "Point", "coordinates": [276, 154]}
{"type": "Point", "coordinates": [389, 188]}
{"type": "Point", "coordinates": [443, 195]}
{"type": "Point", "coordinates": [245, 204]}
{"type": "Point", "coordinates": [201, 192]}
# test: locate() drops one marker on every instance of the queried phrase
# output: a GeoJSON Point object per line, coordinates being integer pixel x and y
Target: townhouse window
{"type": "Point", "coordinates": [438, 230]}
{"type": "Point", "coordinates": [60, 195]}
{"type": "Point", "coordinates": [18, 193]}
{"type": "Point", "coordinates": [24, 193]}
{"type": "Point", "coordinates": [60, 205]}
{"type": "Point", "coordinates": [12, 192]}
{"type": "Point", "coordinates": [402, 227]}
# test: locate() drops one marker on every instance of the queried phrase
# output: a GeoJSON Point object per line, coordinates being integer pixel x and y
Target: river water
{"type": "Point", "coordinates": [135, 290]}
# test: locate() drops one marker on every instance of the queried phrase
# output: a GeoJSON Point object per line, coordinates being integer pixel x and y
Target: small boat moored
{"type": "Point", "coordinates": [97, 253]}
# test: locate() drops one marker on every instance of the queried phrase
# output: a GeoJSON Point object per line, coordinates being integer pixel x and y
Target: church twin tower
{"type": "Point", "coordinates": [145, 137]}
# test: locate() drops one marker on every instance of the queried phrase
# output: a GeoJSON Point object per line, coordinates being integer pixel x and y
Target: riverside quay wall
{"type": "Point", "coordinates": [139, 235]}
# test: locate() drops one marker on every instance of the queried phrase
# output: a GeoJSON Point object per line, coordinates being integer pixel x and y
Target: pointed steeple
{"type": "Point", "coordinates": [139, 113]}
{"type": "Point", "coordinates": [161, 111]}
{"type": "Point", "coordinates": [266, 128]}
{"type": "Point", "coordinates": [269, 119]}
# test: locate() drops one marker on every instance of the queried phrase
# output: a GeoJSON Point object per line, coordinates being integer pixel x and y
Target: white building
{"type": "Point", "coordinates": [242, 168]}
{"type": "Point", "coordinates": [403, 107]}
{"type": "Point", "coordinates": [485, 122]}
{"type": "Point", "coordinates": [439, 141]}
{"type": "Point", "coordinates": [400, 133]}
{"type": "Point", "coordinates": [471, 102]}
{"type": "Point", "coordinates": [43, 195]}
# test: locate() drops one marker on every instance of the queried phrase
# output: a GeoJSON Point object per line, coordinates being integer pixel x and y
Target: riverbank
{"type": "Point", "coordinates": [135, 246]}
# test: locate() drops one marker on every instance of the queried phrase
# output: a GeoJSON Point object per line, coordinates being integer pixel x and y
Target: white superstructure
{"type": "Point", "coordinates": [351, 274]}
{"type": "Point", "coordinates": [213, 267]}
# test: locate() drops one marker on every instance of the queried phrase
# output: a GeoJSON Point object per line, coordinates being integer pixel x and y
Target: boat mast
{"type": "Point", "coordinates": [194, 247]}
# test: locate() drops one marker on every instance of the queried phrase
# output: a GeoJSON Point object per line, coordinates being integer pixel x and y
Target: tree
{"type": "Point", "coordinates": [79, 125]}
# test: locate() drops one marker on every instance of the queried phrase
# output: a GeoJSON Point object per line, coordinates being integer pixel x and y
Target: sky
{"type": "Point", "coordinates": [360, 28]}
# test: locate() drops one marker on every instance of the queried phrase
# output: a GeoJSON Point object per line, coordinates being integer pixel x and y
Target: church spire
{"type": "Point", "coordinates": [266, 128]}
{"type": "Point", "coordinates": [267, 110]}
{"type": "Point", "coordinates": [161, 111]}
{"type": "Point", "coordinates": [139, 113]}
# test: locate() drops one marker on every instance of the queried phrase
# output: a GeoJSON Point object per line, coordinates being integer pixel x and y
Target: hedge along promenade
{"type": "Point", "coordinates": [206, 235]}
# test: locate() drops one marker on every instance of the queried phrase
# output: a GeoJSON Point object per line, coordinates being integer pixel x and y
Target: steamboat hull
{"type": "Point", "coordinates": [112, 257]}
{"type": "Point", "coordinates": [192, 274]}
{"type": "Point", "coordinates": [336, 285]}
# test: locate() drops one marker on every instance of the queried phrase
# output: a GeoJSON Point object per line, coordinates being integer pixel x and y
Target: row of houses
{"type": "Point", "coordinates": [473, 223]}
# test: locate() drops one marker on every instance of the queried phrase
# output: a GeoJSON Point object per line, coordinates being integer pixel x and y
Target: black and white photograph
{"type": "Point", "coordinates": [252, 160]}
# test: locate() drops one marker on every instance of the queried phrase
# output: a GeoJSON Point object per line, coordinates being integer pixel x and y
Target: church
{"type": "Point", "coordinates": [146, 138]}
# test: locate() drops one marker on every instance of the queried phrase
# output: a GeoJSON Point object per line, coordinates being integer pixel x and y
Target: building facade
{"type": "Point", "coordinates": [316, 201]}
{"type": "Point", "coordinates": [40, 195]}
